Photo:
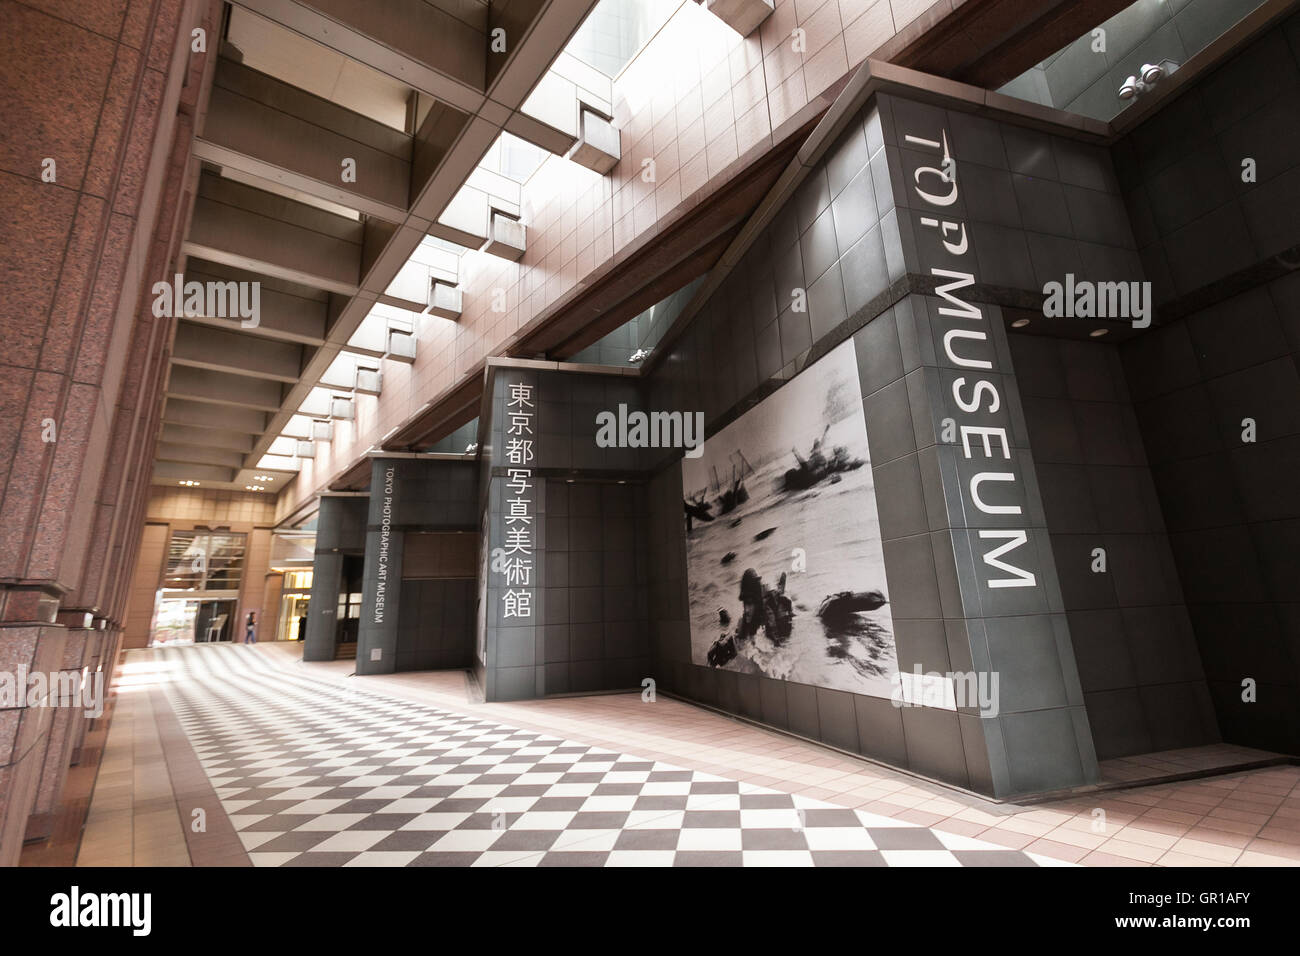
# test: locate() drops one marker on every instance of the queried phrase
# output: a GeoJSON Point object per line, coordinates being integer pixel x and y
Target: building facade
{"type": "Point", "coordinates": [918, 378]}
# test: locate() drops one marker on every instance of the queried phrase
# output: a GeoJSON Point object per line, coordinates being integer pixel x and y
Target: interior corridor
{"type": "Point", "coordinates": [243, 755]}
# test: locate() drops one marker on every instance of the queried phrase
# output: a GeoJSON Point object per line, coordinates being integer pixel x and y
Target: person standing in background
{"type": "Point", "coordinates": [250, 628]}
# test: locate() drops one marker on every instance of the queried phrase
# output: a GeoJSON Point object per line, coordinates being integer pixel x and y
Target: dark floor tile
{"type": "Point", "coordinates": [848, 858]}
{"type": "Point", "coordinates": [409, 840]}
{"type": "Point", "coordinates": [714, 819]}
{"type": "Point", "coordinates": [574, 858]}
{"type": "Point", "coordinates": [772, 839]}
{"type": "Point", "coordinates": [904, 838]}
{"type": "Point", "coordinates": [444, 859]}
{"type": "Point", "coordinates": [646, 840]}
{"type": "Point", "coordinates": [708, 858]}
{"type": "Point", "coordinates": [992, 858]}
{"type": "Point", "coordinates": [526, 840]}
{"type": "Point", "coordinates": [596, 820]}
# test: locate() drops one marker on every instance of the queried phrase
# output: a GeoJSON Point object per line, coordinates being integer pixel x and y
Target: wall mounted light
{"type": "Point", "coordinates": [1147, 77]}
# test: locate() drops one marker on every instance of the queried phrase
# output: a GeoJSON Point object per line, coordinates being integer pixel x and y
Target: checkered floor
{"type": "Point", "coordinates": [313, 774]}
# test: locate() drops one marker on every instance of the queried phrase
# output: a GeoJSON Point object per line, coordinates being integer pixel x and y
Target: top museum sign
{"type": "Point", "coordinates": [963, 330]}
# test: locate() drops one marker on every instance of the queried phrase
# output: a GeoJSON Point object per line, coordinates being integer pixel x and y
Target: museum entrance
{"type": "Point", "coordinates": [199, 597]}
{"type": "Point", "coordinates": [185, 620]}
{"type": "Point", "coordinates": [348, 620]}
{"type": "Point", "coordinates": [295, 599]}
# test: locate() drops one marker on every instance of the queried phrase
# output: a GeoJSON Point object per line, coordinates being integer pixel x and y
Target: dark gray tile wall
{"type": "Point", "coordinates": [588, 629]}
{"type": "Point", "coordinates": [427, 495]}
{"type": "Point", "coordinates": [565, 419]}
{"type": "Point", "coordinates": [1231, 506]}
{"type": "Point", "coordinates": [1133, 641]}
{"type": "Point", "coordinates": [831, 251]}
{"type": "Point", "coordinates": [595, 625]}
{"type": "Point", "coordinates": [1036, 206]}
{"type": "Point", "coordinates": [432, 495]}
{"type": "Point", "coordinates": [436, 628]}
{"type": "Point", "coordinates": [1194, 218]}
{"type": "Point", "coordinates": [340, 527]}
{"type": "Point", "coordinates": [341, 523]}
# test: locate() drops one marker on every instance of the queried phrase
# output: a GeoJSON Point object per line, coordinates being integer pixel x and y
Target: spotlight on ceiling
{"type": "Point", "coordinates": [1147, 77]}
{"type": "Point", "coordinates": [1098, 333]}
{"type": "Point", "coordinates": [1019, 323]}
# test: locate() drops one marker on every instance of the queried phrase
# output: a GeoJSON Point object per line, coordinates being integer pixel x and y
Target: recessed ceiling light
{"type": "Point", "coordinates": [1019, 323]}
{"type": "Point", "coordinates": [1098, 333]}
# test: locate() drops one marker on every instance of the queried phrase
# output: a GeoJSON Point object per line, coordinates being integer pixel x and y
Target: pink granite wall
{"type": "Point", "coordinates": [107, 90]}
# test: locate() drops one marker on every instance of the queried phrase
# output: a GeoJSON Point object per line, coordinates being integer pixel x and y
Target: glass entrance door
{"type": "Point", "coordinates": [192, 621]}
{"type": "Point", "coordinates": [293, 617]}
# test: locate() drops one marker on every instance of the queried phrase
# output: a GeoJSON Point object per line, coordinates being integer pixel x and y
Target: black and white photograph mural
{"type": "Point", "coordinates": [784, 560]}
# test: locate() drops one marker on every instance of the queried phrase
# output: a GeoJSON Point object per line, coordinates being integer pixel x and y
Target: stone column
{"type": "Point", "coordinates": [403, 621]}
{"type": "Point", "coordinates": [67, 721]}
{"type": "Point", "coordinates": [31, 643]}
{"type": "Point", "coordinates": [337, 529]}
{"type": "Point", "coordinates": [96, 640]}
{"type": "Point", "coordinates": [100, 113]}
